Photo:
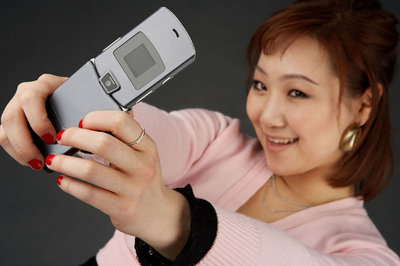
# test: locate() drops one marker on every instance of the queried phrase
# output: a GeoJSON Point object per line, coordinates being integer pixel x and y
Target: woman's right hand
{"type": "Point", "coordinates": [28, 106]}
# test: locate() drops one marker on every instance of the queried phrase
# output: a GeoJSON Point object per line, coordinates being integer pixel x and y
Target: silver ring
{"type": "Point", "coordinates": [139, 139]}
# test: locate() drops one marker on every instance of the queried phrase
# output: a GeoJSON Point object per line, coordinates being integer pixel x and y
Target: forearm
{"type": "Point", "coordinates": [244, 241]}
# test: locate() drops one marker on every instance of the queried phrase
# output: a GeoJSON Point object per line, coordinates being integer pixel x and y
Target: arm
{"type": "Point", "coordinates": [181, 137]}
{"type": "Point", "coordinates": [241, 240]}
{"type": "Point", "coordinates": [244, 240]}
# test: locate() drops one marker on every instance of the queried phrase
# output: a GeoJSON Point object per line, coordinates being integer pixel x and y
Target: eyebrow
{"type": "Point", "coordinates": [289, 76]}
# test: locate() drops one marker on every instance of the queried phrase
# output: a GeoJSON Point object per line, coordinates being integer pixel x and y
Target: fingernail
{"type": "Point", "coordinates": [35, 164]}
{"type": "Point", "coordinates": [59, 135]}
{"type": "Point", "coordinates": [59, 179]}
{"type": "Point", "coordinates": [49, 158]}
{"type": "Point", "coordinates": [81, 123]}
{"type": "Point", "coordinates": [48, 138]}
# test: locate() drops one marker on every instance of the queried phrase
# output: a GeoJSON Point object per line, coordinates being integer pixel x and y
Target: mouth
{"type": "Point", "coordinates": [282, 141]}
{"type": "Point", "coordinates": [276, 144]}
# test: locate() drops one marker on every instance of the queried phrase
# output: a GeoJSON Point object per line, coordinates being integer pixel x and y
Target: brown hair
{"type": "Point", "coordinates": [361, 39]}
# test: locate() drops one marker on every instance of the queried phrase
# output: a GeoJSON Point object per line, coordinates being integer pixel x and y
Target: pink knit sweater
{"type": "Point", "coordinates": [225, 167]}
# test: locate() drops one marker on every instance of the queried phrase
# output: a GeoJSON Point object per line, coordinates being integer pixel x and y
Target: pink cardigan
{"type": "Point", "coordinates": [226, 167]}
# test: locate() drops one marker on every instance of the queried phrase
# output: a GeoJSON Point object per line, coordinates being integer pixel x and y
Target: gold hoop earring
{"type": "Point", "coordinates": [349, 137]}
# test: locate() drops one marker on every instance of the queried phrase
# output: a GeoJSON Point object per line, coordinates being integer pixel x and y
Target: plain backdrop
{"type": "Point", "coordinates": [40, 224]}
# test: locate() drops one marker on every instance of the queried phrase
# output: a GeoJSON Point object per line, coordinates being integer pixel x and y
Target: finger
{"type": "Point", "coordinates": [121, 125]}
{"type": "Point", "coordinates": [17, 132]}
{"type": "Point", "coordinates": [8, 148]}
{"type": "Point", "coordinates": [102, 144]}
{"type": "Point", "coordinates": [97, 197]}
{"type": "Point", "coordinates": [33, 96]}
{"type": "Point", "coordinates": [89, 171]}
{"type": "Point", "coordinates": [53, 80]}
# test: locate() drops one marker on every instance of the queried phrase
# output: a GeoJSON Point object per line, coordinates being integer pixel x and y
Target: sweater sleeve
{"type": "Point", "coordinates": [244, 241]}
{"type": "Point", "coordinates": [241, 240]}
{"type": "Point", "coordinates": [181, 137]}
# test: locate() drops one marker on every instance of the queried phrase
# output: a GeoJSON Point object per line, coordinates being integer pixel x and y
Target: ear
{"type": "Point", "coordinates": [366, 105]}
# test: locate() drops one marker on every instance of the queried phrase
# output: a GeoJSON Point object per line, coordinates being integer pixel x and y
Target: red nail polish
{"type": "Point", "coordinates": [35, 164]}
{"type": "Point", "coordinates": [49, 158]}
{"type": "Point", "coordinates": [48, 138]}
{"type": "Point", "coordinates": [81, 123]}
{"type": "Point", "coordinates": [59, 135]}
{"type": "Point", "coordinates": [59, 179]}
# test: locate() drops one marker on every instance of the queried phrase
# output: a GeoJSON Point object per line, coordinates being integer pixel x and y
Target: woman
{"type": "Point", "coordinates": [318, 100]}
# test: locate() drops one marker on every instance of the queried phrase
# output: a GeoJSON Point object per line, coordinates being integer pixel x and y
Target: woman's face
{"type": "Point", "coordinates": [293, 106]}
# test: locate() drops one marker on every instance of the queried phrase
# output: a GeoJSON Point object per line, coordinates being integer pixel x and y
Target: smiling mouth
{"type": "Point", "coordinates": [282, 141]}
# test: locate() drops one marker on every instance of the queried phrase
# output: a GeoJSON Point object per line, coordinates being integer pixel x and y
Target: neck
{"type": "Point", "coordinates": [310, 188]}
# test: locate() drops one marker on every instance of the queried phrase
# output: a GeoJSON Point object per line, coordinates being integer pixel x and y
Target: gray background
{"type": "Point", "coordinates": [40, 224]}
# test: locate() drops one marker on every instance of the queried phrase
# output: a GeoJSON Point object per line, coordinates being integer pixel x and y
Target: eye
{"type": "Point", "coordinates": [297, 94]}
{"type": "Point", "coordinates": [257, 85]}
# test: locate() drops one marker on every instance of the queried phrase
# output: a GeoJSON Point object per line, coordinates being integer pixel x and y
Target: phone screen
{"type": "Point", "coordinates": [139, 60]}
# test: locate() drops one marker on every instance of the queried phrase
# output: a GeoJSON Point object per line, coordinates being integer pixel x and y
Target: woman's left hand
{"type": "Point", "coordinates": [130, 191]}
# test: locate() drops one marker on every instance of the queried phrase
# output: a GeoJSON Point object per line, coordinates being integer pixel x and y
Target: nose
{"type": "Point", "coordinates": [273, 115]}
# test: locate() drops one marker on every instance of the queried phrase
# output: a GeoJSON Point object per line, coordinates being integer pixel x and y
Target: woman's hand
{"type": "Point", "coordinates": [28, 106]}
{"type": "Point", "coordinates": [130, 190]}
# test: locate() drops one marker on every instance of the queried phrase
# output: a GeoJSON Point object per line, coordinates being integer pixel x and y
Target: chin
{"type": "Point", "coordinates": [281, 169]}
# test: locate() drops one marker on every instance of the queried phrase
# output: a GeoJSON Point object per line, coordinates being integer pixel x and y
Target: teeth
{"type": "Point", "coordinates": [281, 141]}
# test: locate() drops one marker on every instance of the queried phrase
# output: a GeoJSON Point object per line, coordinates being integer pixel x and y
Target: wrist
{"type": "Point", "coordinates": [176, 226]}
{"type": "Point", "coordinates": [203, 230]}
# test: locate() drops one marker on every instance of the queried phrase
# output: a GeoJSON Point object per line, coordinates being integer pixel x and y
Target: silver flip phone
{"type": "Point", "coordinates": [127, 70]}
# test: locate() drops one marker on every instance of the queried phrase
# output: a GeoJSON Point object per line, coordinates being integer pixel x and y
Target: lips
{"type": "Point", "coordinates": [278, 144]}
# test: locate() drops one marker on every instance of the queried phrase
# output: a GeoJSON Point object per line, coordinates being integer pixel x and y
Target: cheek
{"type": "Point", "coordinates": [253, 109]}
{"type": "Point", "coordinates": [317, 129]}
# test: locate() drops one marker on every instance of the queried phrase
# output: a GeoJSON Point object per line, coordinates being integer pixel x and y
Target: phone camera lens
{"type": "Point", "coordinates": [109, 83]}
